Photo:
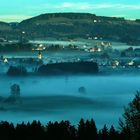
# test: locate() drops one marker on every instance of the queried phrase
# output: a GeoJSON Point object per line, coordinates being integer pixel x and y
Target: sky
{"type": "Point", "coordinates": [18, 10]}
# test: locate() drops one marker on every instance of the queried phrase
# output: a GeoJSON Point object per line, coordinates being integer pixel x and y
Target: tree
{"type": "Point", "coordinates": [113, 134]}
{"type": "Point", "coordinates": [81, 130]}
{"type": "Point", "coordinates": [15, 90]}
{"type": "Point", "coordinates": [105, 133]}
{"type": "Point", "coordinates": [91, 130]}
{"type": "Point", "coordinates": [15, 94]}
{"type": "Point", "coordinates": [131, 118]}
{"type": "Point", "coordinates": [82, 90]}
{"type": "Point", "coordinates": [87, 130]}
{"type": "Point", "coordinates": [17, 71]}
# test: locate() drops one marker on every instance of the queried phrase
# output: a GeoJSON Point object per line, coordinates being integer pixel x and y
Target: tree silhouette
{"type": "Point", "coordinates": [113, 134]}
{"type": "Point", "coordinates": [91, 130]}
{"type": "Point", "coordinates": [17, 71]}
{"type": "Point", "coordinates": [131, 118]}
{"type": "Point", "coordinates": [87, 130]}
{"type": "Point", "coordinates": [15, 90]}
{"type": "Point", "coordinates": [82, 90]}
{"type": "Point", "coordinates": [104, 133]}
{"type": "Point", "coordinates": [81, 130]}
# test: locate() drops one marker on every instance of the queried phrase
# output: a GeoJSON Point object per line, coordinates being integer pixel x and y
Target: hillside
{"type": "Point", "coordinates": [4, 26]}
{"type": "Point", "coordinates": [71, 25]}
{"type": "Point", "coordinates": [7, 31]}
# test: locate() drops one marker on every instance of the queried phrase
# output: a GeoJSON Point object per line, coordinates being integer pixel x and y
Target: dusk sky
{"type": "Point", "coordinates": [17, 10]}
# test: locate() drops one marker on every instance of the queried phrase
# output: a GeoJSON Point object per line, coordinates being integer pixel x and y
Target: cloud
{"type": "Point", "coordinates": [89, 6]}
{"type": "Point", "coordinates": [125, 6]}
{"type": "Point", "coordinates": [80, 6]}
{"type": "Point", "coordinates": [12, 18]}
{"type": "Point", "coordinates": [83, 6]}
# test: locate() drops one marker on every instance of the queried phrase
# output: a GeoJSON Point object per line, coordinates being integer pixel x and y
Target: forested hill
{"type": "Point", "coordinates": [71, 25]}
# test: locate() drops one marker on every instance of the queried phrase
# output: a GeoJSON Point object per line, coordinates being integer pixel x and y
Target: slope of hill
{"type": "Point", "coordinates": [7, 31]}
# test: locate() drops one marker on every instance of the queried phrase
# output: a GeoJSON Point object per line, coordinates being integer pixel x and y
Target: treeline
{"type": "Point", "coordinates": [62, 68]}
{"type": "Point", "coordinates": [16, 47]}
{"type": "Point", "coordinates": [17, 71]}
{"type": "Point", "coordinates": [86, 130]}
{"type": "Point", "coordinates": [69, 68]}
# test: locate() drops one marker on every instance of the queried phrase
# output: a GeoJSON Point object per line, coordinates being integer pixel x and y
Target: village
{"type": "Point", "coordinates": [103, 53]}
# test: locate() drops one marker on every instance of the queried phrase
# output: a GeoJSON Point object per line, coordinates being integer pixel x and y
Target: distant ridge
{"type": "Point", "coordinates": [72, 25]}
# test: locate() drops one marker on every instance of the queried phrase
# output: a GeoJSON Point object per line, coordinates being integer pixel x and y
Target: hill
{"type": "Point", "coordinates": [71, 25]}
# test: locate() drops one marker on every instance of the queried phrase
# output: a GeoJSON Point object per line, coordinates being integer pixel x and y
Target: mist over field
{"type": "Point", "coordinates": [51, 98]}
